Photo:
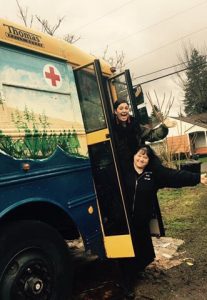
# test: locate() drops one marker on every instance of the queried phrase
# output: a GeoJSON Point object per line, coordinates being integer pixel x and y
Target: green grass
{"type": "Point", "coordinates": [183, 209]}
{"type": "Point", "coordinates": [203, 159]}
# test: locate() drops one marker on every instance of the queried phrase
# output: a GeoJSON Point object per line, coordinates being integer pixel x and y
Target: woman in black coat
{"type": "Point", "coordinates": [129, 133]}
{"type": "Point", "coordinates": [144, 180]}
{"type": "Point", "coordinates": [146, 177]}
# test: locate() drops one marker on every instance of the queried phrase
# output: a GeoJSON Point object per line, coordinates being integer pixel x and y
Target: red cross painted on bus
{"type": "Point", "coordinates": [52, 76]}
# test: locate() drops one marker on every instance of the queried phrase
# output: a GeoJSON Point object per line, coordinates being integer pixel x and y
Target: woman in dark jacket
{"type": "Point", "coordinates": [147, 176]}
{"type": "Point", "coordinates": [129, 133]}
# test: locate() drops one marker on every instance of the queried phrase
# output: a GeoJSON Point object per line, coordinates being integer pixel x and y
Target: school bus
{"type": "Point", "coordinates": [59, 173]}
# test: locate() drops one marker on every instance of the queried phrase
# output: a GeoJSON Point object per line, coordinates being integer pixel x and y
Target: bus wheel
{"type": "Point", "coordinates": [34, 263]}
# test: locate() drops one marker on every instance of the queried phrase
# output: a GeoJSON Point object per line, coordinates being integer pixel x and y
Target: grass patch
{"type": "Point", "coordinates": [203, 159]}
{"type": "Point", "coordinates": [183, 209]}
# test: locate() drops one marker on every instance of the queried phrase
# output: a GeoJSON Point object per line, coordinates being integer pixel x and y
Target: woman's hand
{"type": "Point", "coordinates": [204, 179]}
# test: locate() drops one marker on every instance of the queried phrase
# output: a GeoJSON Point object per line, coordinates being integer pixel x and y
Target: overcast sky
{"type": "Point", "coordinates": [151, 33]}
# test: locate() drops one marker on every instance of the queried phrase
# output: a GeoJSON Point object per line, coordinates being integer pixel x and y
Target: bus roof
{"type": "Point", "coordinates": [27, 38]}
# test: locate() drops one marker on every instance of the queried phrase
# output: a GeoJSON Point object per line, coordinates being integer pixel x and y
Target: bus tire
{"type": "Point", "coordinates": [34, 262]}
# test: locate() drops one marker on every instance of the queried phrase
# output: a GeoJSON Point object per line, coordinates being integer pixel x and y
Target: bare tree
{"type": "Point", "coordinates": [162, 108]}
{"type": "Point", "coordinates": [51, 29]}
{"type": "Point", "coordinates": [46, 27]}
{"type": "Point", "coordinates": [24, 15]}
{"type": "Point", "coordinates": [183, 59]}
{"type": "Point", "coordinates": [71, 38]}
{"type": "Point", "coordinates": [160, 112]}
{"type": "Point", "coordinates": [116, 61]}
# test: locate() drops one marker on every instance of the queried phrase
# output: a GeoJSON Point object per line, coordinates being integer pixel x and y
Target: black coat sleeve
{"type": "Point", "coordinates": [152, 135]}
{"type": "Point", "coordinates": [167, 177]}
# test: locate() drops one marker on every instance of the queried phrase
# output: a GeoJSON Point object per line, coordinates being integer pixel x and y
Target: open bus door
{"type": "Point", "coordinates": [96, 112]}
{"type": "Point", "coordinates": [121, 86]}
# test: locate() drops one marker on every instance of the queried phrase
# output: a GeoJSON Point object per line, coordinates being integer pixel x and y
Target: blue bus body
{"type": "Point", "coordinates": [63, 181]}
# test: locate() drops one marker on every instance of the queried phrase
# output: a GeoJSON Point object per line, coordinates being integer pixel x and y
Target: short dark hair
{"type": "Point", "coordinates": [120, 101]}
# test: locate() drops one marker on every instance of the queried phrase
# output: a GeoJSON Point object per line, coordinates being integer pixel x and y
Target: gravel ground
{"type": "Point", "coordinates": [204, 167]}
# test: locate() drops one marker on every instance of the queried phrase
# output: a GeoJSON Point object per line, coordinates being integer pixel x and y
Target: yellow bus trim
{"type": "Point", "coordinates": [97, 136]}
{"type": "Point", "coordinates": [118, 246]}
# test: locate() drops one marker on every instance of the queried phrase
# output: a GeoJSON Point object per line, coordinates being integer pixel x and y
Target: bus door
{"type": "Point", "coordinates": [96, 110]}
{"type": "Point", "coordinates": [121, 87]}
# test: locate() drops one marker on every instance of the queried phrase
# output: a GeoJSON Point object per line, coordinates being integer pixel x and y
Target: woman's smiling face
{"type": "Point", "coordinates": [141, 159]}
{"type": "Point", "coordinates": [122, 112]}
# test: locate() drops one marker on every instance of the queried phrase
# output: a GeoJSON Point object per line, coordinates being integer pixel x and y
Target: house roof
{"type": "Point", "coordinates": [199, 120]}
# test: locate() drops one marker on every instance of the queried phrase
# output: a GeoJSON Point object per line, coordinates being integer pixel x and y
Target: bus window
{"type": "Point", "coordinates": [90, 102]}
{"type": "Point", "coordinates": [120, 86]}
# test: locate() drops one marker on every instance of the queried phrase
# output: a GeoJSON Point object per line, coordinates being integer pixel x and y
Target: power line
{"type": "Point", "coordinates": [103, 16]}
{"type": "Point", "coordinates": [165, 45]}
{"type": "Point", "coordinates": [158, 23]}
{"type": "Point", "coordinates": [160, 70]}
{"type": "Point", "coordinates": [163, 76]}
{"type": "Point", "coordinates": [169, 74]}
{"type": "Point", "coordinates": [166, 68]}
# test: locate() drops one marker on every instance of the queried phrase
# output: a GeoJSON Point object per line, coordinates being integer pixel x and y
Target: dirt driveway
{"type": "Point", "coordinates": [173, 275]}
{"type": "Point", "coordinates": [179, 272]}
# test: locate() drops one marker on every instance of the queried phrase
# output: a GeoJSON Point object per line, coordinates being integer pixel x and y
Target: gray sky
{"type": "Point", "coordinates": [151, 33]}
